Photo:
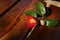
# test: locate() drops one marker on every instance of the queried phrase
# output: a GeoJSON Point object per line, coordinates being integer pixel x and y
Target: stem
{"type": "Point", "coordinates": [29, 33]}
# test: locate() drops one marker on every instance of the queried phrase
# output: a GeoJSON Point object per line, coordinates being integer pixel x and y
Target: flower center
{"type": "Point", "coordinates": [32, 21]}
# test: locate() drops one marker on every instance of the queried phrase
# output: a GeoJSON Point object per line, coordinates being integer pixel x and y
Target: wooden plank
{"type": "Point", "coordinates": [13, 14]}
{"type": "Point", "coordinates": [20, 6]}
{"type": "Point", "coordinates": [9, 18]}
{"type": "Point", "coordinates": [18, 27]}
{"type": "Point", "coordinates": [5, 4]}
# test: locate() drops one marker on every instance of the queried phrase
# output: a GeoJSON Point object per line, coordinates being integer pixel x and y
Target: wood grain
{"type": "Point", "coordinates": [10, 19]}
{"type": "Point", "coordinates": [5, 4]}
{"type": "Point", "coordinates": [13, 24]}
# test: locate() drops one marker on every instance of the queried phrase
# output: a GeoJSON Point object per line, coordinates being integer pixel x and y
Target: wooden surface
{"type": "Point", "coordinates": [6, 4]}
{"type": "Point", "coordinates": [10, 22]}
{"type": "Point", "coordinates": [13, 24]}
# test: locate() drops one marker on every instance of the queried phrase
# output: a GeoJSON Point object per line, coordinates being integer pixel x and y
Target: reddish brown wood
{"type": "Point", "coordinates": [9, 19]}
{"type": "Point", "coordinates": [5, 4]}
{"type": "Point", "coordinates": [13, 24]}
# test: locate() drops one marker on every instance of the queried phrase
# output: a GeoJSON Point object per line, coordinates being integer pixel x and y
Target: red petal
{"type": "Point", "coordinates": [30, 25]}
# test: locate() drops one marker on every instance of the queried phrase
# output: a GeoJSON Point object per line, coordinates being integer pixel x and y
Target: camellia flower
{"type": "Point", "coordinates": [31, 21]}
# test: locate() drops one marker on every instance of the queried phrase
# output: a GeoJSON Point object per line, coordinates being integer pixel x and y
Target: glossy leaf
{"type": "Point", "coordinates": [40, 9]}
{"type": "Point", "coordinates": [31, 13]}
{"type": "Point", "coordinates": [51, 22]}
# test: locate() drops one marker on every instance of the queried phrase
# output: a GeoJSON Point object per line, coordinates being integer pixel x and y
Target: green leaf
{"type": "Point", "coordinates": [50, 22]}
{"type": "Point", "coordinates": [40, 9]}
{"type": "Point", "coordinates": [31, 13]}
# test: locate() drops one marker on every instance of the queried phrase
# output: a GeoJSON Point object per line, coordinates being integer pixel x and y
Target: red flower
{"type": "Point", "coordinates": [31, 21]}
